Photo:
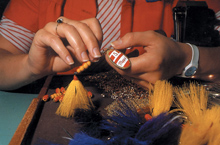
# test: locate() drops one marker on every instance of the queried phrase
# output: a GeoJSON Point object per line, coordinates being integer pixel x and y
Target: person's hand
{"type": "Point", "coordinates": [163, 58]}
{"type": "Point", "coordinates": [57, 48]}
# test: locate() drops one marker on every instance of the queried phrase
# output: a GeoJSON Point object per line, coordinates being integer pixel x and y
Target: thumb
{"type": "Point", "coordinates": [133, 39]}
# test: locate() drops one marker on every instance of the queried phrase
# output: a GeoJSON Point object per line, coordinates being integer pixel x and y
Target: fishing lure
{"type": "Point", "coordinates": [118, 59]}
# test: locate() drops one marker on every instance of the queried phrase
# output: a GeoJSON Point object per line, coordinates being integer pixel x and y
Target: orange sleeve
{"type": "Point", "coordinates": [214, 5]}
{"type": "Point", "coordinates": [24, 13]}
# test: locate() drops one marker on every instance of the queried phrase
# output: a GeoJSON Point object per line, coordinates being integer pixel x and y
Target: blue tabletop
{"type": "Point", "coordinates": [12, 109]}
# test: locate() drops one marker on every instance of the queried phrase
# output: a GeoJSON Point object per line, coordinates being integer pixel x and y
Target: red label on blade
{"type": "Point", "coordinates": [118, 59]}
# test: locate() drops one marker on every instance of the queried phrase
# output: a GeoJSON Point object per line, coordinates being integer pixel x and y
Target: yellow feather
{"type": "Point", "coordinates": [203, 123]}
{"type": "Point", "coordinates": [74, 98]}
{"type": "Point", "coordinates": [161, 98]}
{"type": "Point", "coordinates": [193, 101]}
{"type": "Point", "coordinates": [205, 131]}
{"type": "Point", "coordinates": [213, 117]}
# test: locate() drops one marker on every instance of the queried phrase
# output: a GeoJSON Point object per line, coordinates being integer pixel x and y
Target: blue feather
{"type": "Point", "coordinates": [162, 129]}
{"type": "Point", "coordinates": [84, 139]}
{"type": "Point", "coordinates": [125, 121]}
{"type": "Point", "coordinates": [90, 121]}
{"type": "Point", "coordinates": [126, 128]}
{"type": "Point", "coordinates": [125, 140]}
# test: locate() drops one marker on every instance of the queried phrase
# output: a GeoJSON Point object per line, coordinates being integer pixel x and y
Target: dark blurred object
{"type": "Point", "coordinates": [3, 4]}
{"type": "Point", "coordinates": [194, 23]}
{"type": "Point", "coordinates": [161, 32]}
{"type": "Point", "coordinates": [32, 88]}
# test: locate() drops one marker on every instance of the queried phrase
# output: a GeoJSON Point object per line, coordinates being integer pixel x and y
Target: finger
{"type": "Point", "coordinates": [139, 70]}
{"type": "Point", "coordinates": [91, 34]}
{"type": "Point", "coordinates": [74, 39]}
{"type": "Point", "coordinates": [150, 77]}
{"type": "Point", "coordinates": [94, 59]}
{"type": "Point", "coordinates": [71, 34]}
{"type": "Point", "coordinates": [144, 84]}
{"type": "Point", "coordinates": [141, 64]}
{"type": "Point", "coordinates": [145, 63]}
{"type": "Point", "coordinates": [95, 26]}
{"type": "Point", "coordinates": [44, 39]}
{"type": "Point", "coordinates": [60, 65]}
{"type": "Point", "coordinates": [74, 55]}
{"type": "Point", "coordinates": [136, 39]}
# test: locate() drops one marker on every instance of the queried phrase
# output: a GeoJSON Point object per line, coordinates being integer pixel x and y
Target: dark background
{"type": "Point", "coordinates": [3, 4]}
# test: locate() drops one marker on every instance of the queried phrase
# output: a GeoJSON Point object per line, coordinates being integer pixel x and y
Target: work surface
{"type": "Point", "coordinates": [40, 124]}
{"type": "Point", "coordinates": [51, 126]}
{"type": "Point", "coordinates": [12, 109]}
{"type": "Point", "coordinates": [13, 105]}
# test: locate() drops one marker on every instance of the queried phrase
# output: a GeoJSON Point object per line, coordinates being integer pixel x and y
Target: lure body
{"type": "Point", "coordinates": [45, 98]}
{"type": "Point", "coordinates": [118, 58]}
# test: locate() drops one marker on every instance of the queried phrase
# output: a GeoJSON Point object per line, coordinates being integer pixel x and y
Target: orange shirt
{"type": "Point", "coordinates": [142, 16]}
{"type": "Point", "coordinates": [34, 14]}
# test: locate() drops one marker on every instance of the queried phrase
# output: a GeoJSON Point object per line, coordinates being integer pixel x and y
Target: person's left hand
{"type": "Point", "coordinates": [163, 57]}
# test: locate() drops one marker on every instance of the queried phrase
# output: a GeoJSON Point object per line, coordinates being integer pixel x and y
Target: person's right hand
{"type": "Point", "coordinates": [163, 58]}
{"type": "Point", "coordinates": [58, 48]}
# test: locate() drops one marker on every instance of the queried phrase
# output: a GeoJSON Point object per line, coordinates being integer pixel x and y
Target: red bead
{"type": "Point", "coordinates": [75, 77]}
{"type": "Point", "coordinates": [45, 98]}
{"type": "Point", "coordinates": [147, 117]}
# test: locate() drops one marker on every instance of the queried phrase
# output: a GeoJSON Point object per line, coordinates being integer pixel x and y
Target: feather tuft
{"type": "Point", "coordinates": [75, 98]}
{"type": "Point", "coordinates": [163, 129]}
{"type": "Point", "coordinates": [161, 98]}
{"type": "Point", "coordinates": [84, 139]}
{"type": "Point", "coordinates": [90, 121]}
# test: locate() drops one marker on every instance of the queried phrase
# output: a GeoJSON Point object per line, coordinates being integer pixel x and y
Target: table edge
{"type": "Point", "coordinates": [29, 114]}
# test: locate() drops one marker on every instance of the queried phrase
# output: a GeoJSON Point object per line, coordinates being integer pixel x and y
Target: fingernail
{"type": "Point", "coordinates": [117, 42]}
{"type": "Point", "coordinates": [96, 60]}
{"type": "Point", "coordinates": [84, 56]}
{"type": "Point", "coordinates": [69, 60]}
{"type": "Point", "coordinates": [96, 52]}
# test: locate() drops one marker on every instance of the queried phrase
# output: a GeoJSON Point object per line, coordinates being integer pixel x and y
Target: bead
{"type": "Point", "coordinates": [78, 70]}
{"type": "Point", "coordinates": [85, 65]}
{"type": "Point", "coordinates": [89, 94]}
{"type": "Point", "coordinates": [57, 90]}
{"type": "Point", "coordinates": [45, 98]}
{"type": "Point", "coordinates": [63, 90]}
{"type": "Point", "coordinates": [147, 117]}
{"type": "Point", "coordinates": [89, 63]}
{"type": "Point", "coordinates": [56, 99]}
{"type": "Point", "coordinates": [81, 68]}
